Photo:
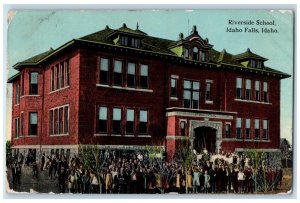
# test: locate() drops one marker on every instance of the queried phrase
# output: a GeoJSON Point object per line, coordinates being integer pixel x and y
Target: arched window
{"type": "Point", "coordinates": [195, 53]}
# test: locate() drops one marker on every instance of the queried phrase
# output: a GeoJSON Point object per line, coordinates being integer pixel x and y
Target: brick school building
{"type": "Point", "coordinates": [124, 89]}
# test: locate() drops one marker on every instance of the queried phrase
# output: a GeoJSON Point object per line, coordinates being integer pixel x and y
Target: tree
{"type": "Point", "coordinates": [185, 155]}
{"type": "Point", "coordinates": [9, 157]}
{"type": "Point", "coordinates": [285, 148]}
{"type": "Point", "coordinates": [92, 160]}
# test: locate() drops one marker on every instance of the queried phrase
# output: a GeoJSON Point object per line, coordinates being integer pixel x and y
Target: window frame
{"type": "Point", "coordinates": [116, 124]}
{"type": "Point", "coordinates": [248, 90]}
{"type": "Point", "coordinates": [144, 77]}
{"type": "Point", "coordinates": [239, 132]}
{"type": "Point", "coordinates": [248, 129]}
{"type": "Point", "coordinates": [191, 90]}
{"type": "Point", "coordinates": [118, 76]}
{"type": "Point", "coordinates": [173, 90]}
{"type": "Point", "coordinates": [239, 90]}
{"type": "Point", "coordinates": [32, 89]}
{"type": "Point", "coordinates": [130, 123]}
{"type": "Point", "coordinates": [257, 129]}
{"type": "Point", "coordinates": [104, 74]}
{"type": "Point", "coordinates": [128, 75]}
{"type": "Point", "coordinates": [35, 126]}
{"type": "Point", "coordinates": [195, 55]}
{"type": "Point", "coordinates": [267, 130]}
{"type": "Point", "coordinates": [143, 122]}
{"type": "Point", "coordinates": [102, 122]}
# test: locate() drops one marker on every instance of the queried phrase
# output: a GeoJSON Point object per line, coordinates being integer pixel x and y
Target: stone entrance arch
{"type": "Point", "coordinates": [212, 124]}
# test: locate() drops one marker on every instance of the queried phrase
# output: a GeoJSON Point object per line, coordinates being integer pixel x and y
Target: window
{"type": "Point", "coordinates": [203, 56]}
{"type": "Point", "coordinates": [248, 128]}
{"type": "Point", "coordinates": [67, 73]}
{"type": "Point", "coordinates": [131, 75]}
{"type": "Point", "coordinates": [33, 123]}
{"type": "Point", "coordinates": [22, 86]}
{"type": "Point", "coordinates": [59, 120]}
{"type": "Point", "coordinates": [51, 122]}
{"type": "Point", "coordinates": [104, 64]}
{"type": "Point", "coordinates": [124, 40]}
{"type": "Point", "coordinates": [266, 94]}
{"type": "Point", "coordinates": [227, 130]}
{"type": "Point", "coordinates": [62, 75]}
{"type": "Point", "coordinates": [238, 128]}
{"type": "Point", "coordinates": [173, 87]}
{"type": "Point", "coordinates": [248, 89]}
{"type": "Point", "coordinates": [61, 110]}
{"type": "Point", "coordinates": [33, 83]}
{"type": "Point", "coordinates": [208, 92]}
{"type": "Point", "coordinates": [257, 90]}
{"type": "Point", "coordinates": [195, 54]}
{"type": "Point", "coordinates": [17, 101]}
{"type": "Point", "coordinates": [22, 125]}
{"type": "Point", "coordinates": [52, 79]}
{"type": "Point", "coordinates": [66, 120]}
{"type": "Point", "coordinates": [265, 130]}
{"type": "Point", "coordinates": [143, 122]}
{"type": "Point", "coordinates": [17, 127]}
{"type": "Point", "coordinates": [135, 43]}
{"type": "Point", "coordinates": [144, 76]}
{"type": "Point", "coordinates": [257, 129]}
{"type": "Point", "coordinates": [239, 88]}
{"type": "Point", "coordinates": [182, 128]}
{"type": "Point", "coordinates": [102, 120]}
{"type": "Point", "coordinates": [56, 77]}
{"type": "Point", "coordinates": [130, 121]}
{"type": "Point", "coordinates": [116, 121]}
{"type": "Point", "coordinates": [191, 94]}
{"type": "Point", "coordinates": [56, 121]}
{"type": "Point", "coordinates": [186, 53]}
{"type": "Point", "coordinates": [117, 73]}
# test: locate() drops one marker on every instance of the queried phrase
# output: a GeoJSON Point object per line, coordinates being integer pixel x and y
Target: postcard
{"type": "Point", "coordinates": [150, 101]}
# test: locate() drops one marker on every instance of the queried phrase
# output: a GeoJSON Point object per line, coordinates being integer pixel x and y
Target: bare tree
{"type": "Point", "coordinates": [285, 148]}
{"type": "Point", "coordinates": [92, 160]}
{"type": "Point", "coordinates": [186, 157]}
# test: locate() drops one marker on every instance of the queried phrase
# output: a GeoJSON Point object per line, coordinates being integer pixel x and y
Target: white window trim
{"type": "Point", "coordinates": [30, 95]}
{"type": "Point", "coordinates": [54, 91]}
{"type": "Point", "coordinates": [125, 88]}
{"type": "Point", "coordinates": [252, 101]}
{"type": "Point", "coordinates": [175, 76]}
{"type": "Point", "coordinates": [174, 98]}
{"type": "Point", "coordinates": [147, 135]}
{"type": "Point", "coordinates": [100, 134]}
{"type": "Point", "coordinates": [209, 102]}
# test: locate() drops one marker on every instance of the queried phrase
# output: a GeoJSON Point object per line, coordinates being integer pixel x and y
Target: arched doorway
{"type": "Point", "coordinates": [205, 138]}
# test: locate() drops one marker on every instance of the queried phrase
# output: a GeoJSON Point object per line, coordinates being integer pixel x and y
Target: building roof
{"type": "Point", "coordinates": [34, 60]}
{"type": "Point", "coordinates": [248, 55]}
{"type": "Point", "coordinates": [158, 46]}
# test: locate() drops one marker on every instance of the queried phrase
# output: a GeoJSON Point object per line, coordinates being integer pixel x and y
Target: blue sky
{"type": "Point", "coordinates": [32, 32]}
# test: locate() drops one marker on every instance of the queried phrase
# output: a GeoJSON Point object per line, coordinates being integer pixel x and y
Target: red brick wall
{"type": "Point", "coordinates": [57, 98]}
{"type": "Point", "coordinates": [83, 98]}
{"type": "Point", "coordinates": [92, 96]}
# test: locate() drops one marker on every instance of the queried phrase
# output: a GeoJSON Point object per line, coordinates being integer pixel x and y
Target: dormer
{"type": "Point", "coordinates": [125, 36]}
{"type": "Point", "coordinates": [193, 47]}
{"type": "Point", "coordinates": [250, 60]}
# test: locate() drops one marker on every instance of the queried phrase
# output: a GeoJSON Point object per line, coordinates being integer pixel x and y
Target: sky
{"type": "Point", "coordinates": [32, 32]}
